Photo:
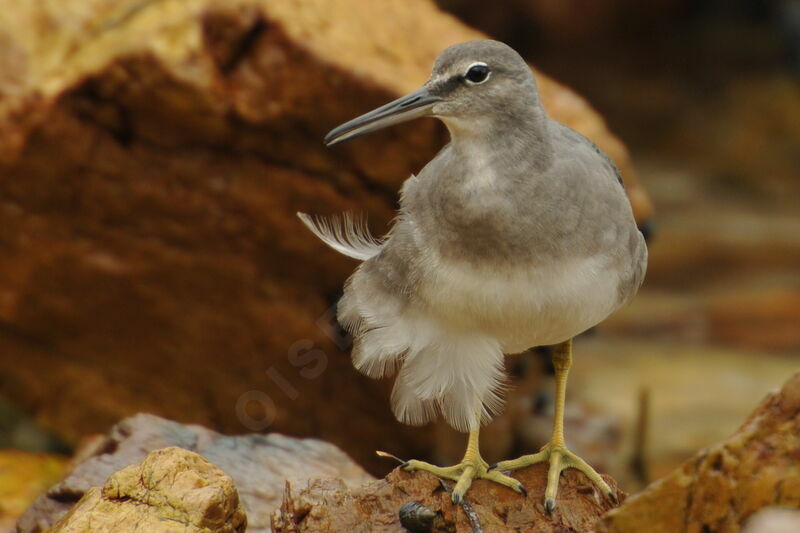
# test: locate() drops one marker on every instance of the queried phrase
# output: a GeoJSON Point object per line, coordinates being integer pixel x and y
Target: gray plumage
{"type": "Point", "coordinates": [517, 234]}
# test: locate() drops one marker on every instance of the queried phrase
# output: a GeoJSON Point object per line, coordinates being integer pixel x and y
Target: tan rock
{"type": "Point", "coordinates": [173, 490]}
{"type": "Point", "coordinates": [723, 485]}
{"type": "Point", "coordinates": [326, 506]}
{"type": "Point", "coordinates": [153, 156]}
{"type": "Point", "coordinates": [258, 464]}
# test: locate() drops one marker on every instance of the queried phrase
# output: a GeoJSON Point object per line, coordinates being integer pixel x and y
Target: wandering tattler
{"type": "Point", "coordinates": [517, 234]}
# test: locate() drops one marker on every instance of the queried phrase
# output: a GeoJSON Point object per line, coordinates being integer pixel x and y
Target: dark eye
{"type": "Point", "coordinates": [477, 73]}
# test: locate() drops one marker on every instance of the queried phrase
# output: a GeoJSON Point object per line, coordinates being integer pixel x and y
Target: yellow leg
{"type": "Point", "coordinates": [471, 467]}
{"type": "Point", "coordinates": [555, 452]}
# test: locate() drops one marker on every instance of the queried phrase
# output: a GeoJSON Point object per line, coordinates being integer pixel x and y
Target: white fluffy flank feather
{"type": "Point", "coordinates": [459, 376]}
{"type": "Point", "coordinates": [347, 234]}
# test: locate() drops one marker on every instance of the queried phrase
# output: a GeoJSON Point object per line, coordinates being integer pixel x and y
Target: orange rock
{"type": "Point", "coordinates": [153, 156]}
{"type": "Point", "coordinates": [326, 506]}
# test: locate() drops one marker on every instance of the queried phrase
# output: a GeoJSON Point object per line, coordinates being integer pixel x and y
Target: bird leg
{"type": "Point", "coordinates": [471, 467]}
{"type": "Point", "coordinates": [555, 452]}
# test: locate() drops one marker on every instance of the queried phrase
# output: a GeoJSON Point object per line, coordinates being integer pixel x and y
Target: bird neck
{"type": "Point", "coordinates": [519, 140]}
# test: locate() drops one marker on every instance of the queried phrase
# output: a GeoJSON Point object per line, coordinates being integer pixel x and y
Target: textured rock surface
{"type": "Point", "coordinates": [327, 506]}
{"type": "Point", "coordinates": [152, 157]}
{"type": "Point", "coordinates": [723, 485]}
{"type": "Point", "coordinates": [259, 465]}
{"type": "Point", "coordinates": [172, 490]}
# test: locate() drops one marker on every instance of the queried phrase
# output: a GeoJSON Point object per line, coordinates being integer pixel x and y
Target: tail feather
{"type": "Point", "coordinates": [347, 235]}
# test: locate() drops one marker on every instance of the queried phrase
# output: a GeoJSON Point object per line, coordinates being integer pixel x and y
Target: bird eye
{"type": "Point", "coordinates": [477, 73]}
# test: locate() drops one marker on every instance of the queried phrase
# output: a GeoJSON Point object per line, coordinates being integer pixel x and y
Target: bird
{"type": "Point", "coordinates": [517, 234]}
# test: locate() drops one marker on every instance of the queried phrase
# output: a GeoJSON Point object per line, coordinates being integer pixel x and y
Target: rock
{"type": "Point", "coordinates": [172, 490]}
{"type": "Point", "coordinates": [723, 485]}
{"type": "Point", "coordinates": [23, 476]}
{"type": "Point", "coordinates": [259, 465]}
{"type": "Point", "coordinates": [153, 156]}
{"type": "Point", "coordinates": [326, 506]}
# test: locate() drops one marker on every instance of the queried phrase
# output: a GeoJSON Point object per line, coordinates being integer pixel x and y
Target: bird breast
{"type": "Point", "coordinates": [513, 255]}
{"type": "Point", "coordinates": [522, 307]}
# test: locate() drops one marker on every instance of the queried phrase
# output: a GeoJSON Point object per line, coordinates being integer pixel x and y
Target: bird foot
{"type": "Point", "coordinates": [559, 458]}
{"type": "Point", "coordinates": [464, 473]}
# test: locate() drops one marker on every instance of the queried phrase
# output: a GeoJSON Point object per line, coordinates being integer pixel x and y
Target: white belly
{"type": "Point", "coordinates": [522, 307]}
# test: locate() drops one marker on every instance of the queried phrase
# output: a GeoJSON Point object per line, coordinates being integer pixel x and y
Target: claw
{"type": "Point", "coordinates": [523, 490]}
{"type": "Point", "coordinates": [559, 458]}
{"type": "Point", "coordinates": [611, 495]}
{"type": "Point", "coordinates": [387, 455]}
{"type": "Point", "coordinates": [492, 467]}
{"type": "Point", "coordinates": [471, 468]}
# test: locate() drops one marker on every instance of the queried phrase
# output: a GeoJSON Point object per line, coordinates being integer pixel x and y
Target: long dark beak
{"type": "Point", "coordinates": [414, 105]}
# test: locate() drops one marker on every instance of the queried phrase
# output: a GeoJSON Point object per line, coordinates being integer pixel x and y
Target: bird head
{"type": "Point", "coordinates": [472, 86]}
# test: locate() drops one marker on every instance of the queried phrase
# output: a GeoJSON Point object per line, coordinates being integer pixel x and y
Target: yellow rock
{"type": "Point", "coordinates": [172, 490]}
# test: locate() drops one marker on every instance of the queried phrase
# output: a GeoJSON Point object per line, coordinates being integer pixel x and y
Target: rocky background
{"type": "Point", "coordinates": [152, 157]}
